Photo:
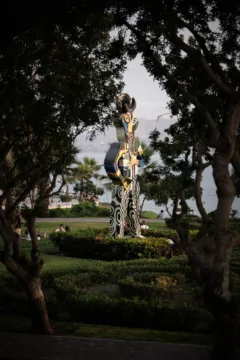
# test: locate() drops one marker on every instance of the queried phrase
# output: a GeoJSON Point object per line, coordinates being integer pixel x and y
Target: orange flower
{"type": "Point", "coordinates": [98, 238]}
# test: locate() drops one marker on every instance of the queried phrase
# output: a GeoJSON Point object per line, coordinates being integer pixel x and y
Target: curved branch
{"type": "Point", "coordinates": [197, 190]}
{"type": "Point", "coordinates": [208, 54]}
{"type": "Point", "coordinates": [161, 70]}
{"type": "Point", "coordinates": [195, 53]}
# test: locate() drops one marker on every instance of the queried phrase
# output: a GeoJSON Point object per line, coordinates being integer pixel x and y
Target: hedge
{"type": "Point", "coordinates": [100, 309]}
{"type": "Point", "coordinates": [80, 210]}
{"type": "Point", "coordinates": [85, 244]}
{"type": "Point", "coordinates": [131, 289]}
{"type": "Point", "coordinates": [152, 314]}
{"type": "Point", "coordinates": [153, 233]}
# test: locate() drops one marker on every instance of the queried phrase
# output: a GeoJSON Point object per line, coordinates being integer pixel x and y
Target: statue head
{"type": "Point", "coordinates": [127, 122]}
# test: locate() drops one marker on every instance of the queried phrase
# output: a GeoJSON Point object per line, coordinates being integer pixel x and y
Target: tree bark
{"type": "Point", "coordinates": [17, 248]}
{"type": "Point", "coordinates": [183, 203]}
{"type": "Point", "coordinates": [198, 195]}
{"type": "Point", "coordinates": [141, 209]}
{"type": "Point", "coordinates": [218, 298]}
{"type": "Point", "coordinates": [175, 205]}
{"type": "Point", "coordinates": [43, 207]}
{"type": "Point", "coordinates": [67, 190]}
{"type": "Point", "coordinates": [38, 309]}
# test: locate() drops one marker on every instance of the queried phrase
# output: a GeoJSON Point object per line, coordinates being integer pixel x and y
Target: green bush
{"type": "Point", "coordinates": [84, 209]}
{"type": "Point", "coordinates": [150, 277]}
{"type": "Point", "coordinates": [131, 289]}
{"type": "Point", "coordinates": [167, 233]}
{"type": "Point", "coordinates": [189, 222]}
{"type": "Point", "coordinates": [138, 313]}
{"type": "Point", "coordinates": [149, 215]}
{"type": "Point", "coordinates": [60, 213]}
{"type": "Point", "coordinates": [85, 244]}
{"type": "Point", "coordinates": [65, 198]}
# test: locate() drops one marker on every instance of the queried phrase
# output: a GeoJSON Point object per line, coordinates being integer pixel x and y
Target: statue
{"type": "Point", "coordinates": [121, 164]}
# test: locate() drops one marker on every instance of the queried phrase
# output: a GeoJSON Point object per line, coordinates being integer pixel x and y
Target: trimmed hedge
{"type": "Point", "coordinates": [80, 210]}
{"type": "Point", "coordinates": [152, 314]}
{"type": "Point", "coordinates": [85, 244]}
{"type": "Point", "coordinates": [168, 233]}
{"type": "Point", "coordinates": [153, 233]}
{"type": "Point", "coordinates": [190, 223]}
{"type": "Point", "coordinates": [131, 289]}
{"type": "Point", "coordinates": [147, 214]}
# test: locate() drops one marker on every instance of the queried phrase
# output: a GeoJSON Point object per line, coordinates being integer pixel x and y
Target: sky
{"type": "Point", "coordinates": [151, 102]}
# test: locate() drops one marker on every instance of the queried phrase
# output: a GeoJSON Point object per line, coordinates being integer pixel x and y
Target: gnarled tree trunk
{"type": "Point", "coordinates": [27, 272]}
{"type": "Point", "coordinates": [218, 298]}
{"type": "Point", "coordinates": [43, 207]}
{"type": "Point", "coordinates": [141, 208]}
{"type": "Point", "coordinates": [198, 194]}
{"type": "Point", "coordinates": [39, 315]}
{"type": "Point", "coordinates": [38, 309]}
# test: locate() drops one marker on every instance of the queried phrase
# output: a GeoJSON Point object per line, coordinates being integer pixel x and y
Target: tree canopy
{"type": "Point", "coordinates": [192, 49]}
{"type": "Point", "coordinates": [56, 81]}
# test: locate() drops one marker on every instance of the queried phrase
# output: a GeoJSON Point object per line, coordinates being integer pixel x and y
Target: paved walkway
{"type": "Point", "coordinates": [33, 347]}
{"type": "Point", "coordinates": [88, 220]}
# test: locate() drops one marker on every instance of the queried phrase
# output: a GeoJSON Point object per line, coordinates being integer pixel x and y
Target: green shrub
{"type": "Point", "coordinates": [84, 209]}
{"type": "Point", "coordinates": [131, 289]}
{"type": "Point", "coordinates": [167, 233]}
{"type": "Point", "coordinates": [138, 313]}
{"type": "Point", "coordinates": [189, 222]}
{"type": "Point", "coordinates": [149, 215]}
{"type": "Point", "coordinates": [65, 198]}
{"type": "Point", "coordinates": [60, 213]}
{"type": "Point", "coordinates": [150, 277]}
{"type": "Point", "coordinates": [85, 244]}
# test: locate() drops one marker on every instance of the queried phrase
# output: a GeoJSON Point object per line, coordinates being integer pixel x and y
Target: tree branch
{"type": "Point", "coordinates": [197, 191]}
{"type": "Point", "coordinates": [200, 167]}
{"type": "Point", "coordinates": [208, 54]}
{"type": "Point", "coordinates": [221, 82]}
{"type": "Point", "coordinates": [17, 179]}
{"type": "Point", "coordinates": [37, 262]}
{"type": "Point", "coordinates": [196, 56]}
{"type": "Point", "coordinates": [161, 70]}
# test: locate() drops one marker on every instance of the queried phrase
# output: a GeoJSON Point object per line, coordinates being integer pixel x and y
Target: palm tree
{"type": "Point", "coordinates": [84, 172]}
{"type": "Point", "coordinates": [65, 173]}
{"type": "Point", "coordinates": [70, 171]}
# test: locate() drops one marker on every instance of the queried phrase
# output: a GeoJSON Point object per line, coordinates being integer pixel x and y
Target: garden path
{"type": "Point", "coordinates": [35, 347]}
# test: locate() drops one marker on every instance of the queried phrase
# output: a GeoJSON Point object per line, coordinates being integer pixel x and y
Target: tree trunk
{"type": "Point", "coordinates": [183, 203]}
{"type": "Point", "coordinates": [39, 315]}
{"type": "Point", "coordinates": [67, 190]}
{"type": "Point", "coordinates": [175, 205]}
{"type": "Point", "coordinates": [218, 298]}
{"type": "Point", "coordinates": [210, 257]}
{"type": "Point", "coordinates": [141, 209]}
{"type": "Point", "coordinates": [198, 195]}
{"type": "Point", "coordinates": [43, 209]}
{"type": "Point", "coordinates": [17, 248]}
